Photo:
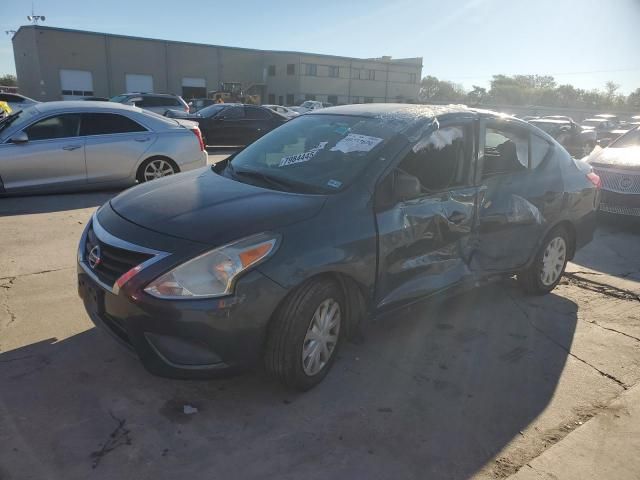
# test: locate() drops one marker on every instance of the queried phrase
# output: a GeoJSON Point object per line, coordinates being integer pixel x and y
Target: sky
{"type": "Point", "coordinates": [581, 42]}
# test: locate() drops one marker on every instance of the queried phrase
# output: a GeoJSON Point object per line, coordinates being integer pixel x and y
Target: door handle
{"type": "Point", "coordinates": [71, 147]}
{"type": "Point", "coordinates": [142, 139]}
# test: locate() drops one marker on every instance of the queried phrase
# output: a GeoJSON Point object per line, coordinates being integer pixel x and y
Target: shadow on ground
{"type": "Point", "coordinates": [53, 202]}
{"type": "Point", "coordinates": [432, 392]}
{"type": "Point", "coordinates": [615, 249]}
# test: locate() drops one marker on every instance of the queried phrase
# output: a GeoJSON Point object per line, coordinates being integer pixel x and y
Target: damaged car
{"type": "Point", "coordinates": [578, 141]}
{"type": "Point", "coordinates": [281, 252]}
{"type": "Point", "coordinates": [618, 167]}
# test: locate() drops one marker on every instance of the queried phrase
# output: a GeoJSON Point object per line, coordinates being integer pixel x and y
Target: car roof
{"type": "Point", "coordinates": [595, 120]}
{"type": "Point", "coordinates": [150, 94]}
{"type": "Point", "coordinates": [557, 121]}
{"type": "Point", "coordinates": [82, 105]}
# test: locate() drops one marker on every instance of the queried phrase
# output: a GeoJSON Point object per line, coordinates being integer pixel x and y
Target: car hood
{"type": "Point", "coordinates": [619, 157]}
{"type": "Point", "coordinates": [205, 207]}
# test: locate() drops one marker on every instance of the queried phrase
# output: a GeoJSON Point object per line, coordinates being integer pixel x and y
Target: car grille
{"type": "Point", "coordinates": [620, 210]}
{"type": "Point", "coordinates": [114, 261]}
{"type": "Point", "coordinates": [619, 182]}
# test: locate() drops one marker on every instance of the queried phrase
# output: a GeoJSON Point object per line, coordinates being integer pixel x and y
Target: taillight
{"type": "Point", "coordinates": [595, 179]}
{"type": "Point", "coordinates": [198, 134]}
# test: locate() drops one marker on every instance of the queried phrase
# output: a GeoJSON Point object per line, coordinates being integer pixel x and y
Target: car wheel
{"type": "Point", "coordinates": [157, 167]}
{"type": "Point", "coordinates": [547, 268]}
{"type": "Point", "coordinates": [305, 334]}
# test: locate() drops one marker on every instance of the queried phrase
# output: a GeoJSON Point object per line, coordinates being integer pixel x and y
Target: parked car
{"type": "Point", "coordinates": [307, 106]}
{"type": "Point", "coordinates": [17, 101]}
{"type": "Point", "coordinates": [603, 129]}
{"type": "Point", "coordinates": [154, 102]}
{"type": "Point", "coordinates": [197, 104]}
{"type": "Point", "coordinates": [74, 145]}
{"type": "Point", "coordinates": [95, 99]}
{"type": "Point", "coordinates": [278, 253]}
{"type": "Point", "coordinates": [578, 141]}
{"type": "Point", "coordinates": [614, 119]}
{"type": "Point", "coordinates": [233, 123]}
{"type": "Point", "coordinates": [286, 111]}
{"type": "Point", "coordinates": [618, 166]}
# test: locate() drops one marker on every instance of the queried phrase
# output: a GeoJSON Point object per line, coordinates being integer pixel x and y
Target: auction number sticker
{"type": "Point", "coordinates": [355, 142]}
{"type": "Point", "coordinates": [301, 157]}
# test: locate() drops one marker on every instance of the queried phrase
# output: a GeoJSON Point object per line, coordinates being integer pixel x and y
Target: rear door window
{"type": "Point", "coordinates": [506, 150]}
{"type": "Point", "coordinates": [108, 123]}
{"type": "Point", "coordinates": [233, 113]}
{"type": "Point", "coordinates": [57, 126]}
{"type": "Point", "coordinates": [255, 113]}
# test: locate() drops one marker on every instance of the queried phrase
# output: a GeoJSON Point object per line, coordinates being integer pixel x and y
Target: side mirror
{"type": "Point", "coordinates": [19, 138]}
{"type": "Point", "coordinates": [405, 186]}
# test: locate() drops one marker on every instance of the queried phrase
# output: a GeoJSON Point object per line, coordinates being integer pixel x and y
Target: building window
{"type": "Point", "coordinates": [280, 100]}
{"type": "Point", "coordinates": [371, 74]}
{"type": "Point", "coordinates": [412, 78]}
{"type": "Point", "coordinates": [311, 69]}
{"type": "Point", "coordinates": [356, 73]}
{"type": "Point", "coordinates": [333, 99]}
{"type": "Point", "coordinates": [291, 68]}
{"type": "Point", "coordinates": [334, 71]}
{"type": "Point", "coordinates": [355, 99]}
{"type": "Point", "coordinates": [309, 97]}
{"type": "Point", "coordinates": [272, 98]}
{"type": "Point", "coordinates": [272, 70]}
{"type": "Point", "coordinates": [290, 99]}
{"type": "Point", "coordinates": [368, 99]}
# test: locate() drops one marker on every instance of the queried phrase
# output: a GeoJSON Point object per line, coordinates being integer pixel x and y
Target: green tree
{"type": "Point", "coordinates": [8, 80]}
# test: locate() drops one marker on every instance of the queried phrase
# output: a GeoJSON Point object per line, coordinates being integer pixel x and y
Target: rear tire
{"type": "Point", "coordinates": [156, 167]}
{"type": "Point", "coordinates": [305, 333]}
{"type": "Point", "coordinates": [544, 274]}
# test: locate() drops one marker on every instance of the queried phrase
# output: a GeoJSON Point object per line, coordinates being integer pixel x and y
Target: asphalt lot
{"type": "Point", "coordinates": [474, 386]}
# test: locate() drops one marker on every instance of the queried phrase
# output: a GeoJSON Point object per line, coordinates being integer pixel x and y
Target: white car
{"type": "Point", "coordinates": [307, 106]}
{"type": "Point", "coordinates": [154, 102]}
{"type": "Point", "coordinates": [17, 101]}
{"type": "Point", "coordinates": [286, 111]}
{"type": "Point", "coordinates": [77, 145]}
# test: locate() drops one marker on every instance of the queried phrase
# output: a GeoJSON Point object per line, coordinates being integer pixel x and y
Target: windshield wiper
{"type": "Point", "coordinates": [6, 121]}
{"type": "Point", "coordinates": [276, 182]}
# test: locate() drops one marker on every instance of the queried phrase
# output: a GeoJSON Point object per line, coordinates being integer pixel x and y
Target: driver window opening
{"type": "Point", "coordinates": [440, 160]}
{"type": "Point", "coordinates": [505, 151]}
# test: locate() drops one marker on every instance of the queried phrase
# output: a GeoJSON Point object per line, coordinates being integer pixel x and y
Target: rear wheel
{"type": "Point", "coordinates": [547, 268]}
{"type": "Point", "coordinates": [305, 334]}
{"type": "Point", "coordinates": [156, 167]}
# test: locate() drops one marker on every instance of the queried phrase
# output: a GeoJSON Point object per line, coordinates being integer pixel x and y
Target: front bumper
{"type": "Point", "coordinates": [620, 203]}
{"type": "Point", "coordinates": [191, 339]}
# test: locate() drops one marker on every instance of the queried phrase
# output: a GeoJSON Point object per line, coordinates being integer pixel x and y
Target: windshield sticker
{"type": "Point", "coordinates": [334, 184]}
{"type": "Point", "coordinates": [356, 143]}
{"type": "Point", "coordinates": [341, 130]}
{"type": "Point", "coordinates": [301, 157]}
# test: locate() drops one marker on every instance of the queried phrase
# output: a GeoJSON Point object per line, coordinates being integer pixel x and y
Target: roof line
{"type": "Point", "coordinates": [401, 61]}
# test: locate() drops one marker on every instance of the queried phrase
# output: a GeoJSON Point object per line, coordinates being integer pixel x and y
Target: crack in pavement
{"type": "Point", "coordinates": [13, 278]}
{"type": "Point", "coordinates": [117, 438]}
{"type": "Point", "coordinates": [598, 287]}
{"type": "Point", "coordinates": [551, 339]}
{"type": "Point", "coordinates": [593, 322]}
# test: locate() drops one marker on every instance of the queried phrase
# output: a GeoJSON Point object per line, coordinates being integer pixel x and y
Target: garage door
{"type": "Point", "coordinates": [139, 83]}
{"type": "Point", "coordinates": [193, 87]}
{"type": "Point", "coordinates": [76, 84]}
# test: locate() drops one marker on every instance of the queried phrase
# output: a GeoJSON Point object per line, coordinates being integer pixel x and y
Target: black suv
{"type": "Point", "coordinates": [280, 252]}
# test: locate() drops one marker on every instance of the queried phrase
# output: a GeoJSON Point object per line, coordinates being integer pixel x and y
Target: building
{"type": "Point", "coordinates": [58, 63]}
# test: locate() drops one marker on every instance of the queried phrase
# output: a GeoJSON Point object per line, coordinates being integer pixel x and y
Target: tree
{"type": "Point", "coordinates": [611, 89]}
{"type": "Point", "coordinates": [475, 96]}
{"type": "Point", "coordinates": [434, 90]}
{"type": "Point", "coordinates": [8, 80]}
{"type": "Point", "coordinates": [428, 87]}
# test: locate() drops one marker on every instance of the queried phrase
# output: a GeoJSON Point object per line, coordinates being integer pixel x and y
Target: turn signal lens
{"type": "Point", "coordinates": [595, 179]}
{"type": "Point", "coordinates": [251, 256]}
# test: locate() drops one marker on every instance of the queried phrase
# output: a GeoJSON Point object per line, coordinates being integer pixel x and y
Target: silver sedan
{"type": "Point", "coordinates": [75, 145]}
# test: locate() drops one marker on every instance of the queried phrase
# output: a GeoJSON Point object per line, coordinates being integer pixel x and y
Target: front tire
{"type": "Point", "coordinates": [545, 272]}
{"type": "Point", "coordinates": [305, 334]}
{"type": "Point", "coordinates": [156, 167]}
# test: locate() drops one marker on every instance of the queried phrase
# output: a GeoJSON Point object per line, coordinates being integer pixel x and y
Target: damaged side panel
{"type": "Point", "coordinates": [424, 245]}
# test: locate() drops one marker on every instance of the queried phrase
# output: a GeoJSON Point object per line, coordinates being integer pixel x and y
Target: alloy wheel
{"type": "Point", "coordinates": [322, 337]}
{"type": "Point", "coordinates": [157, 169]}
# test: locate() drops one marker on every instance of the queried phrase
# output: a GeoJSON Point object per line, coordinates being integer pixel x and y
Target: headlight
{"type": "Point", "coordinates": [213, 274]}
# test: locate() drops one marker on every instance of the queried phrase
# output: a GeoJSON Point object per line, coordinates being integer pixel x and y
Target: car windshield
{"type": "Point", "coordinates": [629, 139]}
{"type": "Point", "coordinates": [212, 110]}
{"type": "Point", "coordinates": [119, 98]}
{"type": "Point", "coordinates": [308, 104]}
{"type": "Point", "coordinates": [315, 153]}
{"type": "Point", "coordinates": [546, 126]}
{"type": "Point", "coordinates": [593, 123]}
{"type": "Point", "coordinates": [18, 118]}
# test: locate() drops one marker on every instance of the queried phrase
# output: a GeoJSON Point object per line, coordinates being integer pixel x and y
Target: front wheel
{"type": "Point", "coordinates": [305, 334]}
{"type": "Point", "coordinates": [153, 168]}
{"type": "Point", "coordinates": [547, 268]}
